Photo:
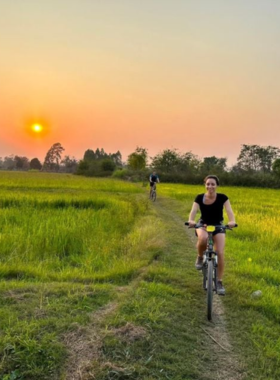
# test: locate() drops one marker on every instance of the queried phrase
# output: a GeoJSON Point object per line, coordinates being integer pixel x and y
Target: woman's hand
{"type": "Point", "coordinates": [192, 223]}
{"type": "Point", "coordinates": [231, 224]}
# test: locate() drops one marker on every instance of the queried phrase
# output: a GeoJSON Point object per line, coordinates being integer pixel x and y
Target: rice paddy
{"type": "Point", "coordinates": [71, 247]}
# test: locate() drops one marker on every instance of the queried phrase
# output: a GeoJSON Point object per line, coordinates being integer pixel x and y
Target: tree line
{"type": "Point", "coordinates": [256, 165]}
{"type": "Point", "coordinates": [53, 162]}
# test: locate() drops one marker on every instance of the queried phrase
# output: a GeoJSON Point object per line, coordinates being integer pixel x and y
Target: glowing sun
{"type": "Point", "coordinates": [37, 128]}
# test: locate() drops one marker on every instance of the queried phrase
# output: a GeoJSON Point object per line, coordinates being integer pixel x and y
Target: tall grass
{"type": "Point", "coordinates": [61, 227]}
{"type": "Point", "coordinates": [66, 242]}
{"type": "Point", "coordinates": [63, 182]}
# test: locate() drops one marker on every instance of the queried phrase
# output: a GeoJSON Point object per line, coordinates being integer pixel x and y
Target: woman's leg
{"type": "Point", "coordinates": [201, 241]}
{"type": "Point", "coordinates": [219, 242]}
{"type": "Point", "coordinates": [201, 246]}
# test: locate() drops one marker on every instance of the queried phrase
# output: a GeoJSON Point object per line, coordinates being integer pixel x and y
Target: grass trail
{"type": "Point", "coordinates": [168, 303]}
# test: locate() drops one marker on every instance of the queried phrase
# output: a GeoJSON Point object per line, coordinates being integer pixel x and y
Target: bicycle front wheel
{"type": "Point", "coordinates": [154, 196]}
{"type": "Point", "coordinates": [204, 273]}
{"type": "Point", "coordinates": [210, 290]}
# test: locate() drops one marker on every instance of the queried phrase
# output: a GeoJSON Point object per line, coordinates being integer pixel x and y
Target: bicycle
{"type": "Point", "coordinates": [210, 264]}
{"type": "Point", "coordinates": [153, 194]}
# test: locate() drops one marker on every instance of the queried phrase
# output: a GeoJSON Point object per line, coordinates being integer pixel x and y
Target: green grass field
{"type": "Point", "coordinates": [65, 242]}
{"type": "Point", "coordinates": [96, 281]}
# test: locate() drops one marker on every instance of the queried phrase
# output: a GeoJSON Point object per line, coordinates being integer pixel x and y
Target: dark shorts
{"type": "Point", "coordinates": [152, 184]}
{"type": "Point", "coordinates": [217, 230]}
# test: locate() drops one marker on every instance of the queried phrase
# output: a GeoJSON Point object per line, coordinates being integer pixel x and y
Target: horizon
{"type": "Point", "coordinates": [229, 165]}
{"type": "Point", "coordinates": [195, 76]}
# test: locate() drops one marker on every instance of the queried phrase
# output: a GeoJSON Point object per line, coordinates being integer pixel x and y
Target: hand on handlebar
{"type": "Point", "coordinates": [191, 223]}
{"type": "Point", "coordinates": [232, 224]}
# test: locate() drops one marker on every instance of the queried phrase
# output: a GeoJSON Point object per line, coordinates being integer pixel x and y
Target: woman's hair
{"type": "Point", "coordinates": [212, 177]}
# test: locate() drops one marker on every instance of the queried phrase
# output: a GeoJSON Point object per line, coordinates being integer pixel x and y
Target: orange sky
{"type": "Point", "coordinates": [194, 75]}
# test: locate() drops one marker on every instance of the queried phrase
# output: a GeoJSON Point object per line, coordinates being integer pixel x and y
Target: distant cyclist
{"type": "Point", "coordinates": [153, 179]}
{"type": "Point", "coordinates": [211, 205]}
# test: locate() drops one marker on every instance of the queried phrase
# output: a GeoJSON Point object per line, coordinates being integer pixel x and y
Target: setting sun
{"type": "Point", "coordinates": [37, 128]}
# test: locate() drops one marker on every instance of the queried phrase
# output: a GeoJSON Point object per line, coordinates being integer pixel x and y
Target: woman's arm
{"type": "Point", "coordinates": [230, 214]}
{"type": "Point", "coordinates": [195, 208]}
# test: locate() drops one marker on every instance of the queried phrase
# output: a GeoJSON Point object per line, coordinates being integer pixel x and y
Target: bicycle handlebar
{"type": "Point", "coordinates": [224, 227]}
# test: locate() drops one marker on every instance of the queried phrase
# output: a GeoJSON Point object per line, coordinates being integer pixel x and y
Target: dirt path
{"type": "Point", "coordinates": [227, 365]}
{"type": "Point", "coordinates": [210, 343]}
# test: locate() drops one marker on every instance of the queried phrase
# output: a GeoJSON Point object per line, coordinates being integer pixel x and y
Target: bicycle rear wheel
{"type": "Point", "coordinates": [154, 195]}
{"type": "Point", "coordinates": [210, 290]}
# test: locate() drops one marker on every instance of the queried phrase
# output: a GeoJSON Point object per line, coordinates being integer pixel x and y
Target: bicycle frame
{"type": "Point", "coordinates": [210, 255]}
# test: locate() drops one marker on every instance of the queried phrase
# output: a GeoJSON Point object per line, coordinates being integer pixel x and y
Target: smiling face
{"type": "Point", "coordinates": [211, 185]}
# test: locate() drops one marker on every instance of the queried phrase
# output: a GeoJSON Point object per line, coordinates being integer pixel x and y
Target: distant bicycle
{"type": "Point", "coordinates": [210, 264]}
{"type": "Point", "coordinates": [153, 194]}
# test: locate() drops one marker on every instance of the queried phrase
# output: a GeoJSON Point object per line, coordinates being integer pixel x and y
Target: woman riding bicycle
{"type": "Point", "coordinates": [211, 206]}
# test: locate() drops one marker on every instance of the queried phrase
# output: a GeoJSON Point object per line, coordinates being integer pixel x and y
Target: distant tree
{"type": "Point", "coordinates": [248, 159]}
{"type": "Point", "coordinates": [18, 162]}
{"type": "Point", "coordinates": [89, 155]}
{"type": "Point", "coordinates": [253, 158]}
{"type": "Point", "coordinates": [190, 162]}
{"type": "Point", "coordinates": [117, 158]}
{"type": "Point", "coordinates": [98, 162]}
{"type": "Point", "coordinates": [9, 162]}
{"type": "Point", "coordinates": [236, 169]}
{"type": "Point", "coordinates": [167, 161]}
{"type": "Point", "coordinates": [108, 165]}
{"type": "Point", "coordinates": [53, 157]}
{"type": "Point", "coordinates": [276, 167]}
{"type": "Point", "coordinates": [170, 161]}
{"type": "Point", "coordinates": [69, 164]}
{"type": "Point", "coordinates": [21, 163]}
{"type": "Point", "coordinates": [213, 164]}
{"type": "Point", "coordinates": [35, 164]}
{"type": "Point", "coordinates": [267, 156]}
{"type": "Point", "coordinates": [138, 159]}
{"type": "Point", "coordinates": [100, 154]}
{"type": "Point", "coordinates": [83, 167]}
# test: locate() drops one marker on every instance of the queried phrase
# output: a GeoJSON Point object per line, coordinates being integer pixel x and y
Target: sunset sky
{"type": "Point", "coordinates": [196, 75]}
